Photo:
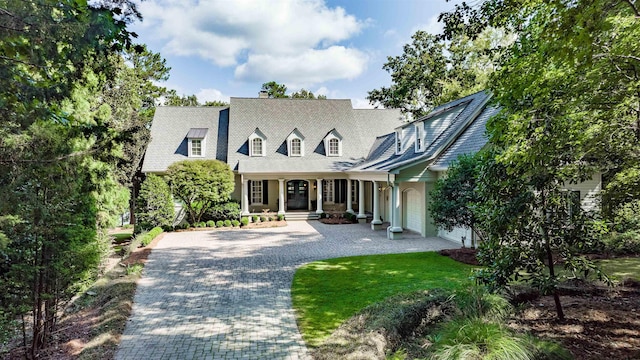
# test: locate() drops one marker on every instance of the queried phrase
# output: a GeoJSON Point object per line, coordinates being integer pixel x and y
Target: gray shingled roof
{"type": "Point", "coordinates": [442, 124]}
{"type": "Point", "coordinates": [169, 130]}
{"type": "Point", "coordinates": [314, 119]}
{"type": "Point", "coordinates": [472, 140]}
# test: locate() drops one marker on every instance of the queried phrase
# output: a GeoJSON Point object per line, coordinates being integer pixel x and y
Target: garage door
{"type": "Point", "coordinates": [414, 213]}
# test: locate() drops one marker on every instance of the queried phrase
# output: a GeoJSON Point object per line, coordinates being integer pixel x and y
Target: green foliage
{"type": "Point", "coordinates": [255, 218]}
{"type": "Point", "coordinates": [351, 217]}
{"type": "Point", "coordinates": [280, 217]}
{"type": "Point", "coordinates": [219, 223]}
{"type": "Point", "coordinates": [211, 224]}
{"type": "Point", "coordinates": [171, 98]}
{"type": "Point", "coordinates": [227, 210]}
{"type": "Point", "coordinates": [154, 205]}
{"type": "Point", "coordinates": [263, 219]}
{"type": "Point", "coordinates": [227, 223]}
{"type": "Point", "coordinates": [454, 197]}
{"type": "Point", "coordinates": [146, 239]}
{"type": "Point", "coordinates": [235, 223]}
{"type": "Point", "coordinates": [275, 90]}
{"type": "Point", "coordinates": [200, 184]}
{"type": "Point", "coordinates": [626, 243]}
{"type": "Point", "coordinates": [432, 71]}
{"type": "Point", "coordinates": [305, 94]}
{"type": "Point", "coordinates": [244, 221]}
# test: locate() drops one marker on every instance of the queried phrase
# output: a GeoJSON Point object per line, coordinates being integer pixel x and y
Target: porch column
{"type": "Point", "coordinates": [349, 205]}
{"type": "Point", "coordinates": [362, 217]}
{"type": "Point", "coordinates": [245, 197]}
{"type": "Point", "coordinates": [281, 209]}
{"type": "Point", "coordinates": [319, 196]}
{"type": "Point", "coordinates": [394, 231]}
{"type": "Point", "coordinates": [376, 224]}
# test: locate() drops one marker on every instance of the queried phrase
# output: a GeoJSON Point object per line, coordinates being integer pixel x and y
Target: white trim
{"type": "Point", "coordinates": [420, 138]}
{"type": "Point", "coordinates": [333, 134]}
{"type": "Point", "coordinates": [295, 135]}
{"type": "Point", "coordinates": [398, 142]}
{"type": "Point", "coordinates": [255, 191]}
{"type": "Point", "coordinates": [190, 146]}
{"type": "Point", "coordinates": [257, 134]}
{"type": "Point", "coordinates": [329, 191]}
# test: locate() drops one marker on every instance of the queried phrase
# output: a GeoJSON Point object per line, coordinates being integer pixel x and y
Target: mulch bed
{"type": "Point", "coordinates": [600, 322]}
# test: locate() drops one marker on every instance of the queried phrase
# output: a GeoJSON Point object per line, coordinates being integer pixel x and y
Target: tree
{"type": "Point", "coordinates": [275, 90]}
{"type": "Point", "coordinates": [154, 204]}
{"type": "Point", "coordinates": [305, 94]}
{"type": "Point", "coordinates": [171, 98]}
{"type": "Point", "coordinates": [454, 198]}
{"type": "Point", "coordinates": [200, 184]}
{"type": "Point", "coordinates": [431, 71]}
{"type": "Point", "coordinates": [216, 103]}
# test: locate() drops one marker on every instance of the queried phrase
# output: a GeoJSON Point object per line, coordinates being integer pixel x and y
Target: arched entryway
{"type": "Point", "coordinates": [297, 195]}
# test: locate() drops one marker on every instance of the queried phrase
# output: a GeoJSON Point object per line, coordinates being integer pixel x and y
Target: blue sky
{"type": "Point", "coordinates": [219, 49]}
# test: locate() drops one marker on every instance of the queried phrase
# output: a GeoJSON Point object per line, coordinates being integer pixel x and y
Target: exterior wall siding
{"type": "Point", "coordinates": [589, 192]}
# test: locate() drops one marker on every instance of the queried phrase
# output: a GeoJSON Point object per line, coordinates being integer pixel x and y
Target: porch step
{"type": "Point", "coordinates": [301, 216]}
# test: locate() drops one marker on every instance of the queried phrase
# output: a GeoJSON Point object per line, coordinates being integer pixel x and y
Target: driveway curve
{"type": "Point", "coordinates": [227, 294]}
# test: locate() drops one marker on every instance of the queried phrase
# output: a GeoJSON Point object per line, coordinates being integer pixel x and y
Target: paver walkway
{"type": "Point", "coordinates": [226, 294]}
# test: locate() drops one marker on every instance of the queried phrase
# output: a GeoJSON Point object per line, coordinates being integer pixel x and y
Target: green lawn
{"type": "Point", "coordinates": [326, 293]}
{"type": "Point", "coordinates": [621, 268]}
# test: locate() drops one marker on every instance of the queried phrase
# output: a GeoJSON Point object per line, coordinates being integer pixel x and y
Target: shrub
{"type": "Point", "coordinates": [219, 223]}
{"type": "Point", "coordinates": [227, 223]}
{"type": "Point", "coordinates": [263, 218]}
{"type": "Point", "coordinates": [228, 210]}
{"type": "Point", "coordinates": [154, 204]}
{"type": "Point", "coordinates": [324, 215]}
{"type": "Point", "coordinates": [255, 218]}
{"type": "Point", "coordinates": [211, 223]}
{"type": "Point", "coordinates": [235, 223]}
{"type": "Point", "coordinates": [142, 240]}
{"type": "Point", "coordinates": [244, 221]}
{"type": "Point", "coordinates": [270, 218]}
{"type": "Point", "coordinates": [349, 216]}
{"type": "Point", "coordinates": [626, 243]}
{"type": "Point", "coordinates": [280, 217]}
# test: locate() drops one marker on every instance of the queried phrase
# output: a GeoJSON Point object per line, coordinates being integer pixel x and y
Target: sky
{"type": "Point", "coordinates": [222, 49]}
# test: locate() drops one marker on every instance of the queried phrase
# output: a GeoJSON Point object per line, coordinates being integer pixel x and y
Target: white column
{"type": "Point", "coordinates": [376, 223]}
{"type": "Point", "coordinates": [395, 230]}
{"type": "Point", "coordinates": [319, 196]}
{"type": "Point", "coordinates": [349, 205]}
{"type": "Point", "coordinates": [281, 209]}
{"type": "Point", "coordinates": [362, 217]}
{"type": "Point", "coordinates": [245, 196]}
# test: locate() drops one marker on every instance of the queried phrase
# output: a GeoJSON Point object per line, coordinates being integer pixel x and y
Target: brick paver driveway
{"type": "Point", "coordinates": [226, 294]}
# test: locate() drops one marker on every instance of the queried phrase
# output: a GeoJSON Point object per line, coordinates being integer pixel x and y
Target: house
{"type": "Point", "coordinates": [303, 157]}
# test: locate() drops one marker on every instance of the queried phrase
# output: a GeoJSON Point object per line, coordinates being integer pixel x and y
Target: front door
{"type": "Point", "coordinates": [297, 195]}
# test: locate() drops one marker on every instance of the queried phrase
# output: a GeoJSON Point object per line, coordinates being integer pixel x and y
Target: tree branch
{"type": "Point", "coordinates": [633, 8]}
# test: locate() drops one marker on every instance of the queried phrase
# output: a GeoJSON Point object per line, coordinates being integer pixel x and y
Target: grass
{"type": "Point", "coordinates": [621, 268]}
{"type": "Point", "coordinates": [326, 293]}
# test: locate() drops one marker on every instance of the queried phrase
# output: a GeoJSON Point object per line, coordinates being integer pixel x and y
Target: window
{"type": "Point", "coordinates": [256, 147]}
{"type": "Point", "coordinates": [296, 147]}
{"type": "Point", "coordinates": [196, 147]}
{"type": "Point", "coordinates": [419, 137]}
{"type": "Point", "coordinates": [256, 192]}
{"type": "Point", "coordinates": [574, 201]}
{"type": "Point", "coordinates": [334, 147]}
{"type": "Point", "coordinates": [398, 143]}
{"type": "Point", "coordinates": [328, 193]}
{"type": "Point", "coordinates": [354, 191]}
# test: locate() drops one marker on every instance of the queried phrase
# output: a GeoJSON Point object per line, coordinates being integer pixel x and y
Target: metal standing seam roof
{"type": "Point", "coordinates": [444, 122]}
{"type": "Point", "coordinates": [197, 133]}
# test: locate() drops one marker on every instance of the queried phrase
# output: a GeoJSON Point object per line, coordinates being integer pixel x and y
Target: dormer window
{"type": "Point", "coordinates": [295, 143]}
{"type": "Point", "coordinates": [257, 143]}
{"type": "Point", "coordinates": [196, 142]}
{"type": "Point", "coordinates": [420, 137]}
{"type": "Point", "coordinates": [333, 143]}
{"type": "Point", "coordinates": [398, 142]}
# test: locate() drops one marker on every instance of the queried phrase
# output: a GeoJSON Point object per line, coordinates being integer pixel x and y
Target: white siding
{"type": "Point", "coordinates": [589, 192]}
{"type": "Point", "coordinates": [456, 235]}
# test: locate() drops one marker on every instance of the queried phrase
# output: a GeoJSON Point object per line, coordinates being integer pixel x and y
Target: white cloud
{"type": "Point", "coordinates": [432, 26]}
{"type": "Point", "coordinates": [211, 94]}
{"type": "Point", "coordinates": [363, 104]}
{"type": "Point", "coordinates": [246, 33]}
{"type": "Point", "coordinates": [309, 67]}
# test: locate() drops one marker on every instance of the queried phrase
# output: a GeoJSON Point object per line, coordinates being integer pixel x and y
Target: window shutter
{"type": "Point", "coordinates": [249, 191]}
{"type": "Point", "coordinates": [265, 192]}
{"type": "Point", "coordinates": [342, 191]}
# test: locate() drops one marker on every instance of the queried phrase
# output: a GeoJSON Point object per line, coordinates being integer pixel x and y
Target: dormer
{"type": "Point", "coordinates": [333, 143]}
{"type": "Point", "coordinates": [420, 136]}
{"type": "Point", "coordinates": [295, 143]}
{"type": "Point", "coordinates": [398, 142]}
{"type": "Point", "coordinates": [196, 140]}
{"type": "Point", "coordinates": [404, 139]}
{"type": "Point", "coordinates": [257, 143]}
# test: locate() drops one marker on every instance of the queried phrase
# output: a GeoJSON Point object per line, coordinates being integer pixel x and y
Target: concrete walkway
{"type": "Point", "coordinates": [226, 294]}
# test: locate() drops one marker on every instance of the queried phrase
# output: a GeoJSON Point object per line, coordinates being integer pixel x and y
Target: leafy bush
{"type": "Point", "coordinates": [626, 243]}
{"type": "Point", "coordinates": [270, 218]}
{"type": "Point", "coordinates": [324, 215]}
{"type": "Point", "coordinates": [235, 223]}
{"type": "Point", "coordinates": [228, 210]}
{"type": "Point", "coordinates": [227, 223]}
{"type": "Point", "coordinates": [627, 218]}
{"type": "Point", "coordinates": [263, 218]}
{"type": "Point", "coordinates": [244, 221]}
{"type": "Point", "coordinates": [255, 218]}
{"type": "Point", "coordinates": [219, 223]}
{"type": "Point", "coordinates": [211, 223]}
{"type": "Point", "coordinates": [280, 217]}
{"type": "Point", "coordinates": [350, 216]}
{"type": "Point", "coordinates": [154, 205]}
{"type": "Point", "coordinates": [147, 238]}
